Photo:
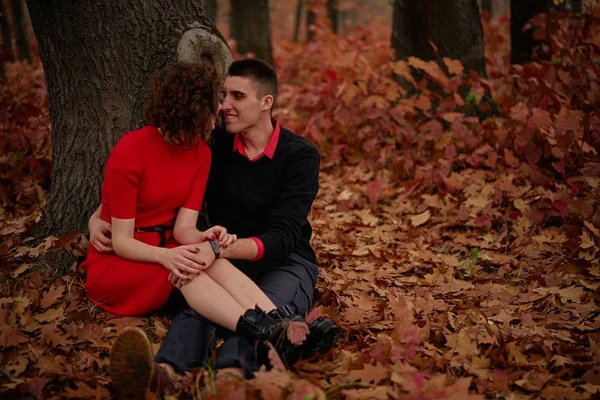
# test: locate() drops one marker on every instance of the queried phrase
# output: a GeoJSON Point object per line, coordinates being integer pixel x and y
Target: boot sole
{"type": "Point", "coordinates": [326, 336]}
{"type": "Point", "coordinates": [131, 364]}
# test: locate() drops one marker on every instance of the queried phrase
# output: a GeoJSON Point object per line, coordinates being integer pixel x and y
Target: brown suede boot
{"type": "Point", "coordinates": [133, 371]}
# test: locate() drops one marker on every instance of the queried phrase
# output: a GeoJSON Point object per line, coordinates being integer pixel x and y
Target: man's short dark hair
{"type": "Point", "coordinates": [258, 71]}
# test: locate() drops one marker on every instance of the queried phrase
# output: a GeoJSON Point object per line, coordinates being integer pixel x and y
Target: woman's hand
{"type": "Point", "coordinates": [180, 261]}
{"type": "Point", "coordinates": [178, 282]}
{"type": "Point", "coordinates": [100, 234]}
{"type": "Point", "coordinates": [219, 234]}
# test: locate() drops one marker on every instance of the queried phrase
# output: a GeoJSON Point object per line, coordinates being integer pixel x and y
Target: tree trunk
{"type": "Point", "coordinates": [6, 50]}
{"type": "Point", "coordinates": [210, 9]}
{"type": "Point", "coordinates": [22, 41]}
{"type": "Point", "coordinates": [576, 6]}
{"type": "Point", "coordinates": [298, 20]}
{"type": "Point", "coordinates": [486, 6]}
{"type": "Point", "coordinates": [251, 28]}
{"type": "Point", "coordinates": [332, 13]}
{"type": "Point", "coordinates": [522, 42]}
{"type": "Point", "coordinates": [499, 8]}
{"type": "Point", "coordinates": [454, 28]}
{"type": "Point", "coordinates": [311, 21]}
{"type": "Point", "coordinates": [97, 57]}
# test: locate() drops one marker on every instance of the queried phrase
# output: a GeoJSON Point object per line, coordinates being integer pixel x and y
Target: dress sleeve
{"type": "Point", "coordinates": [194, 199]}
{"type": "Point", "coordinates": [124, 171]}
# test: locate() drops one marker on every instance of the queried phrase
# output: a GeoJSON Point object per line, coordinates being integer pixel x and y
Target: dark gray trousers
{"type": "Point", "coordinates": [192, 338]}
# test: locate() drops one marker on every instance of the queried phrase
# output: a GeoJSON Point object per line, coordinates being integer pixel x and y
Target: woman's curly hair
{"type": "Point", "coordinates": [182, 101]}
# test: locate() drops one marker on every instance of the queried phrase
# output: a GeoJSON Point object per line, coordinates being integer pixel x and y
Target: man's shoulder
{"type": "Point", "coordinates": [294, 143]}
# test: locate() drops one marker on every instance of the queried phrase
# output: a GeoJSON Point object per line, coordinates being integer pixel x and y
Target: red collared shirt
{"type": "Point", "coordinates": [269, 151]}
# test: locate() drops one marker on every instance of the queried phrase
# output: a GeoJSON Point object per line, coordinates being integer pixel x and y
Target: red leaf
{"type": "Point", "coordinates": [561, 206]}
{"type": "Point", "coordinates": [573, 186]}
{"type": "Point", "coordinates": [313, 315]}
{"type": "Point", "coordinates": [297, 331]}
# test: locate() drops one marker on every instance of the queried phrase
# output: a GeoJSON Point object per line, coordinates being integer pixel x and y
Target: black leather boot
{"type": "Point", "coordinates": [256, 324]}
{"type": "Point", "coordinates": [323, 335]}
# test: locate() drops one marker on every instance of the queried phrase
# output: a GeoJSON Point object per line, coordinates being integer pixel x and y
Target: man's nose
{"type": "Point", "coordinates": [226, 104]}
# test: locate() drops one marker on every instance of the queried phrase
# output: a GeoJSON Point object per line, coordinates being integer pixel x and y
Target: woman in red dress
{"type": "Point", "coordinates": [152, 192]}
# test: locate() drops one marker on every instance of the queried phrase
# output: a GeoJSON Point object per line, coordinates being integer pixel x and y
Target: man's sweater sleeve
{"type": "Point", "coordinates": [295, 201]}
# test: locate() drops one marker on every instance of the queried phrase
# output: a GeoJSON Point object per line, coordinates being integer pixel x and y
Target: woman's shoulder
{"type": "Point", "coordinates": [131, 145]}
{"type": "Point", "coordinates": [137, 136]}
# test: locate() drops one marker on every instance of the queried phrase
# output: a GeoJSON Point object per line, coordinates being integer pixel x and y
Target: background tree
{"type": "Point", "coordinates": [436, 28]}
{"type": "Point", "coordinates": [333, 14]}
{"type": "Point", "coordinates": [298, 20]}
{"type": "Point", "coordinates": [311, 20]}
{"type": "Point", "coordinates": [97, 58]}
{"type": "Point", "coordinates": [21, 39]}
{"type": "Point", "coordinates": [251, 28]}
{"type": "Point", "coordinates": [522, 42]}
{"type": "Point", "coordinates": [210, 9]}
{"type": "Point", "coordinates": [6, 49]}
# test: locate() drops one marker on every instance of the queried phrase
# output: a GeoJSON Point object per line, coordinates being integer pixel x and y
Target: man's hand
{"type": "Point", "coordinates": [219, 234]}
{"type": "Point", "coordinates": [100, 231]}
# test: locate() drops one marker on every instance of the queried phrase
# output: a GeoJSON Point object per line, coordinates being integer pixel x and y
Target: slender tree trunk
{"type": "Point", "coordinates": [332, 13]}
{"type": "Point", "coordinates": [251, 28]}
{"type": "Point", "coordinates": [22, 41]}
{"type": "Point", "coordinates": [499, 8]}
{"type": "Point", "coordinates": [298, 20]}
{"type": "Point", "coordinates": [311, 20]}
{"type": "Point", "coordinates": [454, 28]}
{"type": "Point", "coordinates": [97, 57]}
{"type": "Point", "coordinates": [486, 5]}
{"type": "Point", "coordinates": [522, 42]}
{"type": "Point", "coordinates": [6, 50]}
{"type": "Point", "coordinates": [210, 9]}
{"type": "Point", "coordinates": [576, 6]}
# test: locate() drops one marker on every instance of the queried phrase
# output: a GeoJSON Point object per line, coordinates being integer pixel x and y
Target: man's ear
{"type": "Point", "coordinates": [267, 102]}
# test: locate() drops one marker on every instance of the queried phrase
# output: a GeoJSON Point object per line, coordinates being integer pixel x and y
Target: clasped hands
{"type": "Point", "coordinates": [184, 262]}
{"type": "Point", "coordinates": [188, 261]}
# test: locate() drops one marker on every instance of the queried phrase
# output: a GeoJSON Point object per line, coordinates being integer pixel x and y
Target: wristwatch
{"type": "Point", "coordinates": [215, 248]}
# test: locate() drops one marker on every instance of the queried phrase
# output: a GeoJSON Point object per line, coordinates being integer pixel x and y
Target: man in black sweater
{"type": "Point", "coordinates": [262, 183]}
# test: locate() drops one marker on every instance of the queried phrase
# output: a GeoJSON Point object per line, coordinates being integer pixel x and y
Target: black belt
{"type": "Point", "coordinates": [160, 229]}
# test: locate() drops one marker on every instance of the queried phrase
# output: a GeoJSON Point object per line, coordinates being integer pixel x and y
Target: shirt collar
{"type": "Point", "coordinates": [269, 151]}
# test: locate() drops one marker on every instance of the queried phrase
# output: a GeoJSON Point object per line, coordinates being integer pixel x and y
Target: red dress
{"type": "Point", "coordinates": [147, 179]}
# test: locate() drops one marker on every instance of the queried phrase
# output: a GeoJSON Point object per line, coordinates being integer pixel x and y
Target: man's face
{"type": "Point", "coordinates": [242, 105]}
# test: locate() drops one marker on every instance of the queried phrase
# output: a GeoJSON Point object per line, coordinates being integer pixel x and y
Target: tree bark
{"type": "Point", "coordinates": [251, 28]}
{"type": "Point", "coordinates": [97, 57]}
{"type": "Point", "coordinates": [522, 42]}
{"type": "Point", "coordinates": [21, 39]}
{"type": "Point", "coordinates": [210, 9]}
{"type": "Point", "coordinates": [311, 20]}
{"type": "Point", "coordinates": [452, 27]}
{"type": "Point", "coordinates": [332, 13]}
{"type": "Point", "coordinates": [298, 20]}
{"type": "Point", "coordinates": [576, 6]}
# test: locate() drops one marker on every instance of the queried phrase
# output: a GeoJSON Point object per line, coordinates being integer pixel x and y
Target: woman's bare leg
{"type": "Point", "coordinates": [212, 301]}
{"type": "Point", "coordinates": [242, 288]}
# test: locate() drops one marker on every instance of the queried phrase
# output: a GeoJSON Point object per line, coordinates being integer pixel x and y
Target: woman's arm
{"type": "Point", "coordinates": [186, 232]}
{"type": "Point", "coordinates": [178, 260]}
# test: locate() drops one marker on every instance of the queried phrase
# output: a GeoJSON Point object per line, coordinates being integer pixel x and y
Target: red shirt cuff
{"type": "Point", "coordinates": [261, 249]}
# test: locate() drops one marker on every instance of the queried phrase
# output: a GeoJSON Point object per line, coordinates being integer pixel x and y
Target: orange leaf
{"type": "Point", "coordinates": [454, 66]}
{"type": "Point", "coordinates": [369, 373]}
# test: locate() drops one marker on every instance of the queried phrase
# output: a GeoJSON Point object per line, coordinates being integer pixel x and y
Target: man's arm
{"type": "Point", "coordinates": [291, 211]}
{"type": "Point", "coordinates": [99, 232]}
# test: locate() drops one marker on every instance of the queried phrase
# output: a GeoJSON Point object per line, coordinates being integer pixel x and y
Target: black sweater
{"type": "Point", "coordinates": [269, 198]}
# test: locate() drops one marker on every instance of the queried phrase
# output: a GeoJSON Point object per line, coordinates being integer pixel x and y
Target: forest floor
{"type": "Point", "coordinates": [458, 237]}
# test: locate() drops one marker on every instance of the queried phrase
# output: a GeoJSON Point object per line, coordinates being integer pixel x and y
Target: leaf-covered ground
{"type": "Point", "coordinates": [457, 228]}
